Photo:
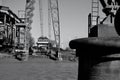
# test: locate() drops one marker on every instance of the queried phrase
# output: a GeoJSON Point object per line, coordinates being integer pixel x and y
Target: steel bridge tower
{"type": "Point", "coordinates": [28, 15]}
{"type": "Point", "coordinates": [41, 17]}
{"type": "Point", "coordinates": [54, 11]}
{"type": "Point", "coordinates": [49, 20]}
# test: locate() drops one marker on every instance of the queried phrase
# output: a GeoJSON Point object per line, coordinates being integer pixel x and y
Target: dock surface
{"type": "Point", "coordinates": [37, 69]}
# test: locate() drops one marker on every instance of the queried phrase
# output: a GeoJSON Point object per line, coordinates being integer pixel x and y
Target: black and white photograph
{"type": "Point", "coordinates": [59, 39]}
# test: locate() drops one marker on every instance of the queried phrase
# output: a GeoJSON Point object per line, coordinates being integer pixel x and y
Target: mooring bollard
{"type": "Point", "coordinates": [98, 58]}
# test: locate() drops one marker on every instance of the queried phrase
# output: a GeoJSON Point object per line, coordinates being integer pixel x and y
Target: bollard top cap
{"type": "Point", "coordinates": [96, 44]}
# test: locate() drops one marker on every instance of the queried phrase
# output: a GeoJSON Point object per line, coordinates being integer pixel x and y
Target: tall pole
{"type": "Point", "coordinates": [25, 40]}
{"type": "Point", "coordinates": [41, 17]}
{"type": "Point", "coordinates": [49, 20]}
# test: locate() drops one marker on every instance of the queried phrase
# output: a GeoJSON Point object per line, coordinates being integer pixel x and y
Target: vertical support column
{"type": "Point", "coordinates": [49, 20]}
{"type": "Point", "coordinates": [55, 21]}
{"type": "Point", "coordinates": [41, 17]}
{"type": "Point", "coordinates": [28, 15]}
{"type": "Point", "coordinates": [11, 34]}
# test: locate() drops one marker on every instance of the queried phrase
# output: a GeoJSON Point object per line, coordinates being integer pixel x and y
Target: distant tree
{"type": "Point", "coordinates": [31, 40]}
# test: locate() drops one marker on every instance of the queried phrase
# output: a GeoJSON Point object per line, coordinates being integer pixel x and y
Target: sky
{"type": "Point", "coordinates": [73, 18]}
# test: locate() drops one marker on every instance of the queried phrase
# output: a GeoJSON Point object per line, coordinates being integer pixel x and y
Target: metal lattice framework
{"type": "Point", "coordinates": [55, 20]}
{"type": "Point", "coordinates": [28, 15]}
{"type": "Point", "coordinates": [29, 12]}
